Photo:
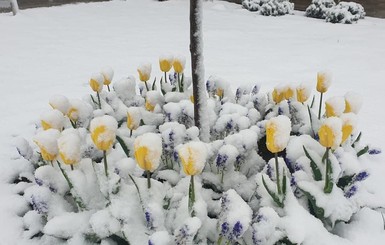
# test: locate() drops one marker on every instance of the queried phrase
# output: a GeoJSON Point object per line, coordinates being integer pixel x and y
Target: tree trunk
{"type": "Point", "coordinates": [197, 69]}
{"type": "Point", "coordinates": [15, 7]}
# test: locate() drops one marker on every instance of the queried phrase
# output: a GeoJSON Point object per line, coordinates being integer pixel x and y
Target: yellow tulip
{"type": "Point", "coordinates": [45, 125]}
{"type": "Point", "coordinates": [334, 106]}
{"type": "Point", "coordinates": [52, 119]}
{"type": "Point", "coordinates": [193, 157]}
{"type": "Point", "coordinates": [47, 142]}
{"type": "Point", "coordinates": [147, 151]}
{"type": "Point", "coordinates": [59, 102]}
{"type": "Point", "coordinates": [133, 118]}
{"type": "Point", "coordinates": [348, 125]}
{"type": "Point", "coordinates": [353, 102]}
{"type": "Point", "coordinates": [330, 133]}
{"type": "Point", "coordinates": [288, 93]}
{"type": "Point", "coordinates": [96, 82]}
{"type": "Point", "coordinates": [144, 72]}
{"type": "Point", "coordinates": [103, 132]}
{"type": "Point", "coordinates": [323, 81]}
{"type": "Point", "coordinates": [277, 133]}
{"type": "Point", "coordinates": [220, 92]}
{"type": "Point", "coordinates": [107, 74]}
{"type": "Point", "coordinates": [165, 63]}
{"type": "Point", "coordinates": [192, 98]}
{"type": "Point", "coordinates": [149, 106]}
{"type": "Point", "coordinates": [179, 64]}
{"type": "Point", "coordinates": [73, 114]}
{"type": "Point", "coordinates": [302, 93]}
{"type": "Point", "coordinates": [277, 96]}
{"type": "Point", "coordinates": [69, 146]}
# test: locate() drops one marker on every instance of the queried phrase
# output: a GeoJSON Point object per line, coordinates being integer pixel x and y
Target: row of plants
{"type": "Point", "coordinates": [125, 164]}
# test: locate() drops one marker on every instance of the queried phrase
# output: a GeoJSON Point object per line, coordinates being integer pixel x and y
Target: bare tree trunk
{"type": "Point", "coordinates": [15, 7]}
{"type": "Point", "coordinates": [196, 50]}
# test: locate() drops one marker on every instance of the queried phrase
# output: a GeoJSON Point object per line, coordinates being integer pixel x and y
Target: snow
{"type": "Point", "coordinates": [60, 102]}
{"type": "Point", "coordinates": [38, 42]}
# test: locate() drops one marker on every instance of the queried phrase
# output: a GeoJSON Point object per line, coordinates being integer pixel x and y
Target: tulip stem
{"type": "Point", "coordinates": [222, 174]}
{"type": "Point", "coordinates": [165, 77]}
{"type": "Point", "coordinates": [79, 202]}
{"type": "Point", "coordinates": [130, 133]}
{"type": "Point", "coordinates": [328, 183]}
{"type": "Point", "coordinates": [73, 123]}
{"type": "Point", "coordinates": [105, 163]}
{"type": "Point", "coordinates": [146, 85]}
{"type": "Point", "coordinates": [191, 196]}
{"type": "Point", "coordinates": [108, 87]}
{"type": "Point", "coordinates": [179, 87]}
{"type": "Point", "coordinates": [277, 174]}
{"type": "Point", "coordinates": [72, 167]}
{"type": "Point", "coordinates": [148, 179]}
{"type": "Point", "coordinates": [320, 106]}
{"type": "Point", "coordinates": [99, 103]}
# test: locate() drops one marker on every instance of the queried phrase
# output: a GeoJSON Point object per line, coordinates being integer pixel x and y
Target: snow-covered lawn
{"type": "Point", "coordinates": [49, 51]}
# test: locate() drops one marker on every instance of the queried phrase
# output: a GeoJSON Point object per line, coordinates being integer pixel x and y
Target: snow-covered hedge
{"type": "Point", "coordinates": [125, 164]}
{"type": "Point", "coordinates": [269, 7]}
{"type": "Point", "coordinates": [343, 12]}
{"type": "Point", "coordinates": [346, 13]}
{"type": "Point", "coordinates": [319, 8]}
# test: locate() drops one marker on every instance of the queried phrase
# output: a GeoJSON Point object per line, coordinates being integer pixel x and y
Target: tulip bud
{"type": "Point", "coordinates": [353, 102]}
{"type": "Point", "coordinates": [277, 133]}
{"type": "Point", "coordinates": [278, 94]}
{"type": "Point", "coordinates": [52, 119]}
{"type": "Point", "coordinates": [179, 64]}
{"type": "Point", "coordinates": [289, 92]}
{"type": "Point", "coordinates": [335, 106]}
{"type": "Point", "coordinates": [107, 74]}
{"type": "Point", "coordinates": [47, 142]}
{"type": "Point", "coordinates": [144, 72]}
{"type": "Point", "coordinates": [348, 125]}
{"type": "Point", "coordinates": [103, 131]}
{"type": "Point", "coordinates": [69, 145]}
{"type": "Point", "coordinates": [193, 156]}
{"type": "Point", "coordinates": [166, 62]}
{"type": "Point", "coordinates": [323, 81]}
{"type": "Point", "coordinates": [133, 118]}
{"type": "Point", "coordinates": [59, 102]}
{"type": "Point", "coordinates": [96, 82]}
{"type": "Point", "coordinates": [330, 132]}
{"type": "Point", "coordinates": [148, 150]}
{"type": "Point", "coordinates": [303, 93]}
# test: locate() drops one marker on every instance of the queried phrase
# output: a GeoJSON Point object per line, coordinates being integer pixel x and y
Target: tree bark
{"type": "Point", "coordinates": [196, 50]}
{"type": "Point", "coordinates": [15, 7]}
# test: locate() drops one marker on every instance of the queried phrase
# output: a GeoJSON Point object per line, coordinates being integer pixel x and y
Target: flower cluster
{"type": "Point", "coordinates": [126, 164]}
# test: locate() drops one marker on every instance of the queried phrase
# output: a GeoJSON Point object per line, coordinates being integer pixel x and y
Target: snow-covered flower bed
{"type": "Point", "coordinates": [343, 12]}
{"type": "Point", "coordinates": [126, 164]}
{"type": "Point", "coordinates": [269, 7]}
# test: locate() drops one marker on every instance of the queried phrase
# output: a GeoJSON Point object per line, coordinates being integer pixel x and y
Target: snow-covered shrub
{"type": "Point", "coordinates": [269, 7]}
{"type": "Point", "coordinates": [319, 8]}
{"type": "Point", "coordinates": [346, 13]}
{"type": "Point", "coordinates": [126, 165]}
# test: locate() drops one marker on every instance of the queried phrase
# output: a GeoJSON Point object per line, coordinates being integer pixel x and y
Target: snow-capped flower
{"type": "Point", "coordinates": [278, 94]}
{"type": "Point", "coordinates": [334, 106]}
{"type": "Point", "coordinates": [330, 132]}
{"type": "Point", "coordinates": [165, 62]}
{"type": "Point", "coordinates": [348, 125]}
{"type": "Point", "coordinates": [193, 156]}
{"type": "Point", "coordinates": [179, 64]}
{"type": "Point", "coordinates": [220, 92]}
{"type": "Point", "coordinates": [96, 82]}
{"type": "Point", "coordinates": [69, 145]}
{"type": "Point", "coordinates": [59, 102]}
{"type": "Point", "coordinates": [52, 119]}
{"type": "Point", "coordinates": [47, 142]}
{"type": "Point", "coordinates": [353, 102]}
{"type": "Point", "coordinates": [323, 81]}
{"type": "Point", "coordinates": [153, 98]}
{"type": "Point", "coordinates": [277, 133]}
{"type": "Point", "coordinates": [103, 131]}
{"type": "Point", "coordinates": [148, 150]}
{"type": "Point", "coordinates": [133, 118]}
{"type": "Point", "coordinates": [303, 93]}
{"type": "Point", "coordinates": [107, 74]}
{"type": "Point", "coordinates": [144, 71]}
{"type": "Point", "coordinates": [289, 92]}
{"type": "Point", "coordinates": [149, 106]}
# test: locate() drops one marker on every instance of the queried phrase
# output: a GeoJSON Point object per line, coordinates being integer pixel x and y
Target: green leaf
{"type": "Point", "coordinates": [118, 240]}
{"type": "Point", "coordinates": [153, 85]}
{"type": "Point", "coordinates": [329, 180]}
{"type": "Point", "coordinates": [284, 187]}
{"type": "Point", "coordinates": [357, 140]}
{"type": "Point", "coordinates": [345, 181]}
{"type": "Point", "coordinates": [123, 145]}
{"type": "Point", "coordinates": [93, 100]}
{"type": "Point", "coordinates": [363, 151]}
{"type": "Point", "coordinates": [312, 102]}
{"type": "Point", "coordinates": [314, 209]}
{"type": "Point", "coordinates": [316, 171]}
{"type": "Point", "coordinates": [272, 194]}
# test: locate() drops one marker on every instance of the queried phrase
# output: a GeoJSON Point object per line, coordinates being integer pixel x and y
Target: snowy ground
{"type": "Point", "coordinates": [50, 51]}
